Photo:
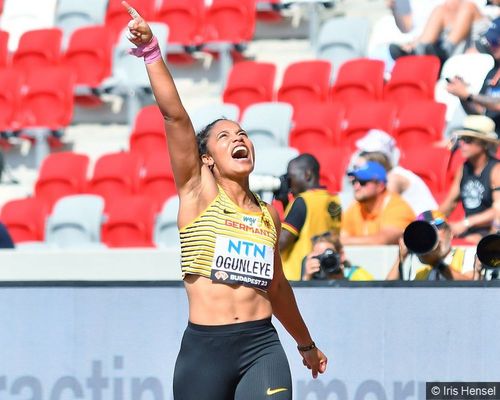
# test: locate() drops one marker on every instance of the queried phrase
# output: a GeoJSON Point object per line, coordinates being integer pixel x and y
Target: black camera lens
{"type": "Point", "coordinates": [488, 251]}
{"type": "Point", "coordinates": [420, 237]}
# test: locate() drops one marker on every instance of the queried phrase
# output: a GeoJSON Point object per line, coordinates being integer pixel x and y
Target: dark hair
{"type": "Point", "coordinates": [203, 134]}
{"type": "Point", "coordinates": [308, 161]}
{"type": "Point", "coordinates": [328, 237]}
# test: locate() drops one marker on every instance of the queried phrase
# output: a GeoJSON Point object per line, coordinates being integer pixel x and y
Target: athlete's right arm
{"type": "Point", "coordinates": [183, 149]}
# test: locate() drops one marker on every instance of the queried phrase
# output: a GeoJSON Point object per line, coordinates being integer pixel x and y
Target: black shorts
{"type": "Point", "coordinates": [243, 361]}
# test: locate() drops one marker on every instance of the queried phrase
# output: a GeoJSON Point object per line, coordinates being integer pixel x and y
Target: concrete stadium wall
{"type": "Point", "coordinates": [120, 343]}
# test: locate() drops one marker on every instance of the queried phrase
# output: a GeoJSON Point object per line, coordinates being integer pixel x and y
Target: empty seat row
{"type": "Point", "coordinates": [87, 220]}
{"type": "Point", "coordinates": [278, 124]}
{"type": "Point", "coordinates": [42, 48]}
{"type": "Point", "coordinates": [193, 21]}
{"type": "Point", "coordinates": [114, 175]}
{"type": "Point", "coordinates": [41, 98]}
{"type": "Point", "coordinates": [418, 122]}
{"type": "Point", "coordinates": [413, 78]}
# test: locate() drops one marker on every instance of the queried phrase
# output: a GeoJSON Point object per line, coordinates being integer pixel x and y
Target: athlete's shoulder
{"type": "Point", "coordinates": [274, 215]}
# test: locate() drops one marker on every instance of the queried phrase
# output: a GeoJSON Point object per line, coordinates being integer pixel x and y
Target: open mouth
{"type": "Point", "coordinates": [240, 153]}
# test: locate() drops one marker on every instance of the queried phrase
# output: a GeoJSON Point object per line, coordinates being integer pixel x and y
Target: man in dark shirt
{"type": "Point", "coordinates": [487, 102]}
{"type": "Point", "coordinates": [477, 182]}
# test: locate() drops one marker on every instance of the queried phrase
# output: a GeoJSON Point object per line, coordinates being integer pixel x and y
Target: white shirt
{"type": "Point", "coordinates": [417, 195]}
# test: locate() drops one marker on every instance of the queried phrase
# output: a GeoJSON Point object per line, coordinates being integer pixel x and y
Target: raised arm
{"type": "Point", "coordinates": [182, 145]}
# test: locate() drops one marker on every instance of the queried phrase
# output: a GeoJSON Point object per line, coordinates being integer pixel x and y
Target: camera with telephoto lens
{"type": "Point", "coordinates": [281, 192]}
{"type": "Point", "coordinates": [329, 263]}
{"type": "Point", "coordinates": [421, 237]}
{"type": "Point", "coordinates": [488, 251]}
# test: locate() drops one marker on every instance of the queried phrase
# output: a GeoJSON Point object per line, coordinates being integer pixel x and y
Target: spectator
{"type": "Point", "coordinates": [487, 102]}
{"type": "Point", "coordinates": [411, 16]}
{"type": "Point", "coordinates": [379, 146]}
{"type": "Point", "coordinates": [6, 241]}
{"type": "Point", "coordinates": [441, 263]}
{"type": "Point", "coordinates": [327, 261]}
{"type": "Point", "coordinates": [377, 216]}
{"type": "Point", "coordinates": [477, 181]}
{"type": "Point", "coordinates": [313, 211]}
{"type": "Point", "coordinates": [449, 24]}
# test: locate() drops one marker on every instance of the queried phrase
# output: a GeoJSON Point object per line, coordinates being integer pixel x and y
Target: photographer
{"type": "Point", "coordinates": [442, 262]}
{"type": "Point", "coordinates": [313, 211]}
{"type": "Point", "coordinates": [327, 261]}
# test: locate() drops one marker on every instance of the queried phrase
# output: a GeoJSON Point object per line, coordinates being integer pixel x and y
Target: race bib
{"type": "Point", "coordinates": [242, 262]}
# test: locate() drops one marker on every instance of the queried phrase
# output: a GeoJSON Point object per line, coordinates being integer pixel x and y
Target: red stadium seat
{"type": "Point", "coordinates": [157, 181]}
{"type": "Point", "coordinates": [249, 82]}
{"type": "Point", "coordinates": [38, 48]}
{"type": "Point", "coordinates": [269, 11]}
{"type": "Point", "coordinates": [90, 63]}
{"type": "Point", "coordinates": [305, 82]}
{"type": "Point", "coordinates": [10, 82]}
{"type": "Point", "coordinates": [25, 219]}
{"type": "Point", "coordinates": [428, 162]}
{"type": "Point", "coordinates": [420, 123]}
{"type": "Point", "coordinates": [333, 163]}
{"type": "Point", "coordinates": [359, 80]}
{"type": "Point", "coordinates": [316, 125]}
{"type": "Point", "coordinates": [61, 174]}
{"type": "Point", "coordinates": [115, 175]}
{"type": "Point", "coordinates": [47, 102]}
{"type": "Point", "coordinates": [117, 17]}
{"type": "Point", "coordinates": [231, 21]}
{"type": "Point", "coordinates": [413, 78]}
{"type": "Point", "coordinates": [130, 221]}
{"type": "Point", "coordinates": [359, 118]}
{"type": "Point", "coordinates": [4, 52]}
{"type": "Point", "coordinates": [185, 20]}
{"type": "Point", "coordinates": [148, 135]}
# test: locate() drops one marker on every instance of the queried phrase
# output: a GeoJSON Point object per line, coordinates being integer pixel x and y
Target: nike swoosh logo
{"type": "Point", "coordinates": [228, 211]}
{"type": "Point", "coordinates": [270, 391]}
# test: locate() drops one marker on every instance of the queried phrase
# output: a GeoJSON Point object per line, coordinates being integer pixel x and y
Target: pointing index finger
{"type": "Point", "coordinates": [131, 10]}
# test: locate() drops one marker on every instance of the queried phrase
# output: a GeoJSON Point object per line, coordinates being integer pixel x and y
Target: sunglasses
{"type": "Point", "coordinates": [361, 182]}
{"type": "Point", "coordinates": [466, 139]}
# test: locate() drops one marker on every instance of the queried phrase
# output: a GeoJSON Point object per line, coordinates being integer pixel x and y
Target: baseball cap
{"type": "Point", "coordinates": [369, 171]}
{"type": "Point", "coordinates": [491, 38]}
{"type": "Point", "coordinates": [434, 217]}
{"type": "Point", "coordinates": [377, 140]}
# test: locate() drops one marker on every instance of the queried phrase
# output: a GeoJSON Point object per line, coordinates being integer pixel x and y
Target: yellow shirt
{"type": "Point", "coordinates": [229, 245]}
{"type": "Point", "coordinates": [393, 211]}
{"type": "Point", "coordinates": [322, 215]}
{"type": "Point", "coordinates": [455, 259]}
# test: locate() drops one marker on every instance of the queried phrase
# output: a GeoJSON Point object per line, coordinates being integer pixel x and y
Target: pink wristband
{"type": "Point", "coordinates": [150, 51]}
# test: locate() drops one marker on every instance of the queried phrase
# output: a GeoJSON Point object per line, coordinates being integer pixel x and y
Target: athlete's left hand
{"type": "Point", "coordinates": [315, 360]}
{"type": "Point", "coordinates": [139, 31]}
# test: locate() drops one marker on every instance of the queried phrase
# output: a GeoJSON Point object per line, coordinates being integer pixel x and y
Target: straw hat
{"type": "Point", "coordinates": [479, 127]}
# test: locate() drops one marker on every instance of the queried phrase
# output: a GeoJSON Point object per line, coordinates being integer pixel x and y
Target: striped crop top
{"type": "Point", "coordinates": [230, 245]}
